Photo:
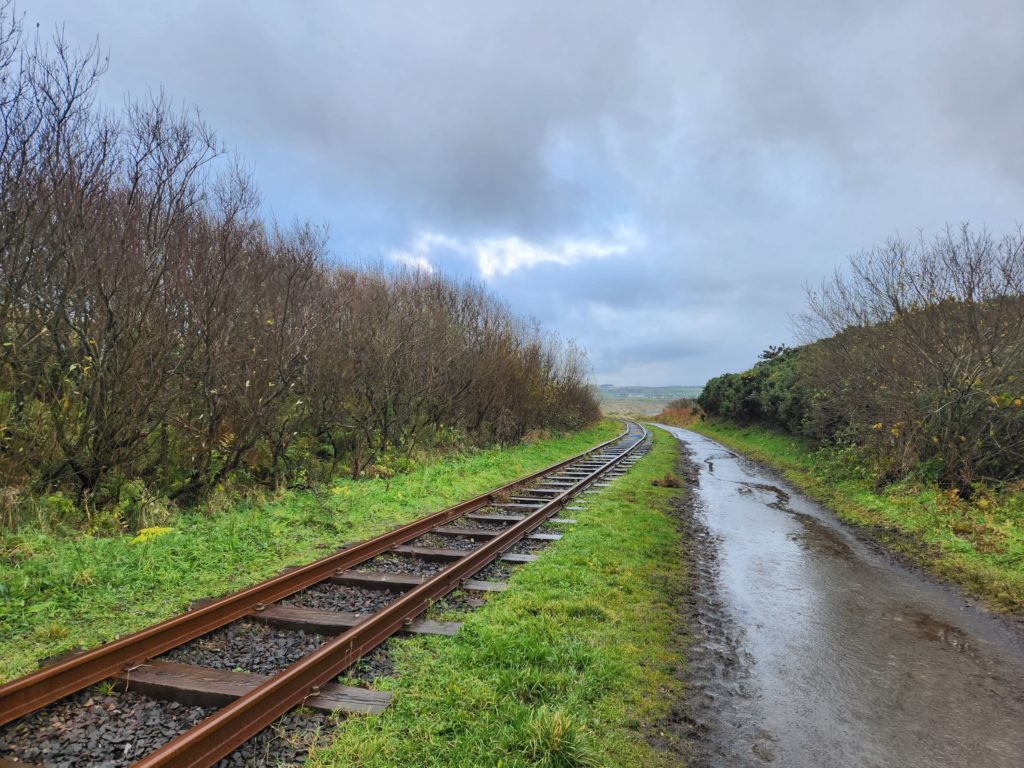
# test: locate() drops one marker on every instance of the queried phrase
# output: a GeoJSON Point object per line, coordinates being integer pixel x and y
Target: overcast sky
{"type": "Point", "coordinates": [657, 180]}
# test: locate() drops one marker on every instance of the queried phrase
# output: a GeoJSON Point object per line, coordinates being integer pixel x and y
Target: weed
{"type": "Point", "coordinates": [52, 631]}
{"type": "Point", "coordinates": [668, 481]}
{"type": "Point", "coordinates": [559, 741]}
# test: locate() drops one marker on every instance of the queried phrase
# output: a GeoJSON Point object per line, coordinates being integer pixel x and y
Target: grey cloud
{"type": "Point", "coordinates": [656, 352]}
{"type": "Point", "coordinates": [754, 145]}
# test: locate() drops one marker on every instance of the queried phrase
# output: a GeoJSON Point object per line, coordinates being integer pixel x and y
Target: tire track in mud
{"type": "Point", "coordinates": [708, 726]}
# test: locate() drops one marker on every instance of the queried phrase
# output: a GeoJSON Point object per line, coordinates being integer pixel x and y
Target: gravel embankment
{"type": "Point", "coordinates": [402, 564]}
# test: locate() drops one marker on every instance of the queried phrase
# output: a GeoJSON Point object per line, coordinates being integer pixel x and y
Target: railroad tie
{"type": "Point", "coordinates": [433, 553]}
{"type": "Point", "coordinates": [206, 687]}
{"type": "Point", "coordinates": [476, 585]}
{"type": "Point", "coordinates": [319, 622]}
{"type": "Point", "coordinates": [397, 582]}
{"type": "Point", "coordinates": [495, 518]}
{"type": "Point", "coordinates": [400, 582]}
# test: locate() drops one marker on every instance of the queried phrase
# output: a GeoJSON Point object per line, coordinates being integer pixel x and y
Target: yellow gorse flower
{"type": "Point", "coordinates": [145, 534]}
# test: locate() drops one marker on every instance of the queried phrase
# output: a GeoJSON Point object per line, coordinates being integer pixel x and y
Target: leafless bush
{"type": "Point", "coordinates": [156, 328]}
{"type": "Point", "coordinates": [921, 353]}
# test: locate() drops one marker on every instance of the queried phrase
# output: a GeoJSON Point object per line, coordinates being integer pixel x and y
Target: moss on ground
{"type": "Point", "coordinates": [62, 592]}
{"type": "Point", "coordinates": [568, 667]}
{"type": "Point", "coordinates": [978, 545]}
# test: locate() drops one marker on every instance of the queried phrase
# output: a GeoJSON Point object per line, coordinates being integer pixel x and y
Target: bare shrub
{"type": "Point", "coordinates": [921, 354]}
{"type": "Point", "coordinates": [161, 338]}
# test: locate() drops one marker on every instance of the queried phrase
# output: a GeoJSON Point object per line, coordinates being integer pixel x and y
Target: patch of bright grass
{"type": "Point", "coordinates": [61, 592]}
{"type": "Point", "coordinates": [565, 668]}
{"type": "Point", "coordinates": [978, 544]}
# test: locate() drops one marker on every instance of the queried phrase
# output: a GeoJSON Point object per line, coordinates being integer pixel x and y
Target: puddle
{"type": "Point", "coordinates": [852, 660]}
{"type": "Point", "coordinates": [928, 627]}
{"type": "Point", "coordinates": [821, 539]}
{"type": "Point", "coordinates": [781, 498]}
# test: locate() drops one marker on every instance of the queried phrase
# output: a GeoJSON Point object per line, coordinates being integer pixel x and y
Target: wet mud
{"type": "Point", "coordinates": [807, 646]}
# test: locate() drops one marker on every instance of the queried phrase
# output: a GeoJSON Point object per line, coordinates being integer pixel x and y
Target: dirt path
{"type": "Point", "coordinates": [811, 648]}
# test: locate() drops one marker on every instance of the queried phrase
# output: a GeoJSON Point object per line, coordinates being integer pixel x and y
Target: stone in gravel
{"type": "Point", "coordinates": [402, 564]}
{"type": "Point", "coordinates": [87, 729]}
{"type": "Point", "coordinates": [337, 597]}
{"type": "Point", "coordinates": [528, 546]}
{"type": "Point", "coordinates": [458, 601]}
{"type": "Point", "coordinates": [445, 542]}
{"type": "Point", "coordinates": [496, 571]}
{"type": "Point", "coordinates": [248, 646]}
{"type": "Point", "coordinates": [90, 729]}
{"type": "Point", "coordinates": [377, 663]}
{"type": "Point", "coordinates": [463, 522]}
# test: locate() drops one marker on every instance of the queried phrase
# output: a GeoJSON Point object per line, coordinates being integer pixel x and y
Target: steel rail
{"type": "Point", "coordinates": [53, 682]}
{"type": "Point", "coordinates": [228, 728]}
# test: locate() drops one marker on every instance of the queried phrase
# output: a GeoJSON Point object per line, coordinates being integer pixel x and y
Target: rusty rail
{"type": "Point", "coordinates": [221, 733]}
{"type": "Point", "coordinates": [36, 690]}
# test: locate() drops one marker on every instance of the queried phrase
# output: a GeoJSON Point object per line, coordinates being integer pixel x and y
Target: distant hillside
{"type": "Point", "coordinates": [612, 392]}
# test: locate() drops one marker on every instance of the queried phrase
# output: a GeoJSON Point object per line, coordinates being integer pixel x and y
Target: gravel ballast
{"type": "Point", "coordinates": [247, 646]}
{"type": "Point", "coordinates": [435, 541]}
{"type": "Point", "coordinates": [480, 525]}
{"type": "Point", "coordinates": [528, 547]}
{"type": "Point", "coordinates": [377, 663]}
{"type": "Point", "coordinates": [96, 730]}
{"type": "Point", "coordinates": [459, 601]}
{"type": "Point", "coordinates": [402, 564]}
{"type": "Point", "coordinates": [91, 729]}
{"type": "Point", "coordinates": [496, 571]}
{"type": "Point", "coordinates": [337, 597]}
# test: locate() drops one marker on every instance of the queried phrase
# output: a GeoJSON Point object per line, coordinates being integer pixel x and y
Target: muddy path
{"type": "Point", "coordinates": [809, 647]}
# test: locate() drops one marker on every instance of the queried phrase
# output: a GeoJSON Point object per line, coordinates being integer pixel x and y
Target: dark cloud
{"type": "Point", "coordinates": [750, 145]}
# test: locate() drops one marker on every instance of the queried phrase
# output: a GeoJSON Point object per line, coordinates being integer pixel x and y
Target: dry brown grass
{"type": "Point", "coordinates": [679, 417]}
{"type": "Point", "coordinates": [668, 481]}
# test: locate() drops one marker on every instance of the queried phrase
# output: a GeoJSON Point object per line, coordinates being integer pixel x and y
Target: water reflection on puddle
{"type": "Point", "coordinates": [850, 660]}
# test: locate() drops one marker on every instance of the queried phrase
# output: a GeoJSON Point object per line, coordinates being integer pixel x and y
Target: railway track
{"type": "Point", "coordinates": [450, 548]}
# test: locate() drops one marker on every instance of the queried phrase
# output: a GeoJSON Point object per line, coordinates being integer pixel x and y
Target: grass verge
{"type": "Point", "coordinates": [62, 592]}
{"type": "Point", "coordinates": [978, 545]}
{"type": "Point", "coordinates": [566, 668]}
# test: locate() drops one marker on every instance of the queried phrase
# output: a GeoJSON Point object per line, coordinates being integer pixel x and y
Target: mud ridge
{"type": "Point", "coordinates": [705, 727]}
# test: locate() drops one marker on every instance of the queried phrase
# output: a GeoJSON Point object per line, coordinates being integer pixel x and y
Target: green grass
{"type": "Point", "coordinates": [61, 592]}
{"type": "Point", "coordinates": [565, 668]}
{"type": "Point", "coordinates": [978, 545]}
